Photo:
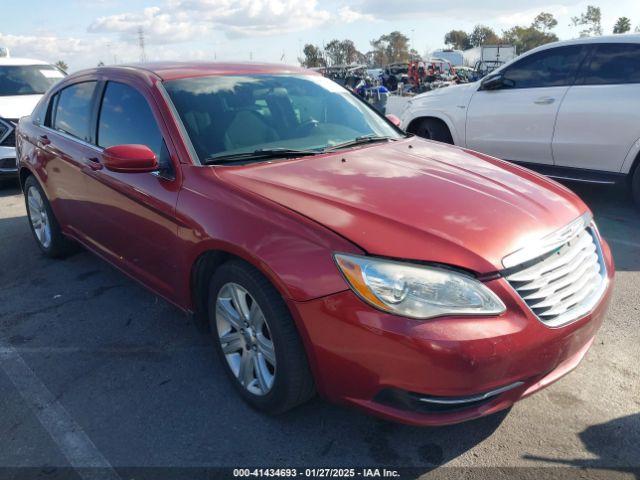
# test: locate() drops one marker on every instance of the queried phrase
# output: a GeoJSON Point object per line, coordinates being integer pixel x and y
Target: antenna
{"type": "Point", "coordinates": [143, 55]}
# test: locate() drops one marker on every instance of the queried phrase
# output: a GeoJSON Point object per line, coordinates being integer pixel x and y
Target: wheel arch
{"type": "Point", "coordinates": [23, 174]}
{"type": "Point", "coordinates": [441, 118]}
{"type": "Point", "coordinates": [632, 160]}
{"type": "Point", "coordinates": [209, 260]}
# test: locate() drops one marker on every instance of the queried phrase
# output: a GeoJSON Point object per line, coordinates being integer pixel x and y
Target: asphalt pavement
{"type": "Point", "coordinates": [95, 371]}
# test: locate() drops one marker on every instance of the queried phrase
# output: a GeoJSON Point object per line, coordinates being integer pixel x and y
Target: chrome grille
{"type": "Point", "coordinates": [7, 132]}
{"type": "Point", "coordinates": [564, 284]}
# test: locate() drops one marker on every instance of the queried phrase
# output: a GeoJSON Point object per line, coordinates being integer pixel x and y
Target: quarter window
{"type": "Point", "coordinates": [614, 63]}
{"type": "Point", "coordinates": [72, 110]}
{"type": "Point", "coordinates": [549, 68]}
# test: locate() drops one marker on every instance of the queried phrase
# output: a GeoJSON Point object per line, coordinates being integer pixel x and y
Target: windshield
{"type": "Point", "coordinates": [27, 79]}
{"type": "Point", "coordinates": [235, 114]}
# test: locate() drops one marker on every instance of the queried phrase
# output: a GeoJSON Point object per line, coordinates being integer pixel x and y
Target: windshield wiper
{"type": "Point", "coordinates": [259, 154]}
{"type": "Point", "coordinates": [358, 141]}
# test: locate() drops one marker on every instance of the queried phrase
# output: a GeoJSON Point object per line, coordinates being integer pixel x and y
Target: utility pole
{"type": "Point", "coordinates": [143, 55]}
{"type": "Point", "coordinates": [250, 56]}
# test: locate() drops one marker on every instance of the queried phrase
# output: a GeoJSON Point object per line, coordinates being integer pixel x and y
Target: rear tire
{"type": "Point", "coordinates": [257, 340]}
{"type": "Point", "coordinates": [43, 223]}
{"type": "Point", "coordinates": [635, 185]}
{"type": "Point", "coordinates": [433, 129]}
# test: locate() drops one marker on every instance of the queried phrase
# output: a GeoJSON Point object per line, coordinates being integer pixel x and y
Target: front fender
{"type": "Point", "coordinates": [448, 105]}
{"type": "Point", "coordinates": [292, 251]}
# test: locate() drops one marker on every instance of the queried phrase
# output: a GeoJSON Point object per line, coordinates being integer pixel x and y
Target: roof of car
{"type": "Point", "coordinates": [620, 38]}
{"type": "Point", "coordinates": [14, 61]}
{"type": "Point", "coordinates": [625, 38]}
{"type": "Point", "coordinates": [177, 70]}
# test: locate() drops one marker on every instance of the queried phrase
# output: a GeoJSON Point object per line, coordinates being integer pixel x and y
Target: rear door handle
{"type": "Point", "coordinates": [93, 163]}
{"type": "Point", "coordinates": [544, 101]}
{"type": "Point", "coordinates": [43, 141]}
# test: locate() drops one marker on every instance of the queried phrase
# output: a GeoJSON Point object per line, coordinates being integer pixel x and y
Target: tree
{"type": "Point", "coordinates": [544, 22]}
{"type": "Point", "coordinates": [591, 21]}
{"type": "Point", "coordinates": [623, 25]}
{"type": "Point", "coordinates": [62, 66]}
{"type": "Point", "coordinates": [483, 35]}
{"type": "Point", "coordinates": [526, 38]}
{"type": "Point", "coordinates": [390, 48]}
{"type": "Point", "coordinates": [100, 63]}
{"type": "Point", "coordinates": [342, 52]}
{"type": "Point", "coordinates": [312, 57]}
{"type": "Point", "coordinates": [458, 39]}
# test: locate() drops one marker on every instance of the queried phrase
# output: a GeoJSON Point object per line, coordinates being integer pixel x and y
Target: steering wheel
{"type": "Point", "coordinates": [307, 126]}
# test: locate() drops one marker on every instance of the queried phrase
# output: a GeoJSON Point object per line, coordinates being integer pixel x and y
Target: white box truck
{"type": "Point", "coordinates": [487, 58]}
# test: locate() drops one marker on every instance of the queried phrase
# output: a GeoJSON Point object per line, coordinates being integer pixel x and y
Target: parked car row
{"type": "Point", "coordinates": [570, 110]}
{"type": "Point", "coordinates": [327, 250]}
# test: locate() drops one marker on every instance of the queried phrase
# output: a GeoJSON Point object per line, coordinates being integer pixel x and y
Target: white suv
{"type": "Point", "coordinates": [22, 83]}
{"type": "Point", "coordinates": [569, 110]}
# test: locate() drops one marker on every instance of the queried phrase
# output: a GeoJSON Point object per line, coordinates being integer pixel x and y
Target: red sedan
{"type": "Point", "coordinates": [327, 250]}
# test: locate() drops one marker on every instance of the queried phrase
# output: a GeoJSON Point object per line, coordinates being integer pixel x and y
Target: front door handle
{"type": "Point", "coordinates": [93, 163]}
{"type": "Point", "coordinates": [544, 101]}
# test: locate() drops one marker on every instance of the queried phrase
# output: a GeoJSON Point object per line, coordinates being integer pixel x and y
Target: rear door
{"type": "Point", "coordinates": [599, 120]}
{"type": "Point", "coordinates": [516, 122]}
{"type": "Point", "coordinates": [134, 213]}
{"type": "Point", "coordinates": [64, 147]}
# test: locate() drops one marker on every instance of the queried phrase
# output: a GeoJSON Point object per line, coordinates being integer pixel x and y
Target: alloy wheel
{"type": "Point", "coordinates": [38, 217]}
{"type": "Point", "coordinates": [245, 338]}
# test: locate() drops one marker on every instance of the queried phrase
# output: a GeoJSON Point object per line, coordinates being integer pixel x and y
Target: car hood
{"type": "Point", "coordinates": [16, 106]}
{"type": "Point", "coordinates": [418, 200]}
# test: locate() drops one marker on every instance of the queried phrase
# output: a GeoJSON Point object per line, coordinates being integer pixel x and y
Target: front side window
{"type": "Point", "coordinates": [27, 79]}
{"type": "Point", "coordinates": [126, 118]}
{"type": "Point", "coordinates": [550, 68]}
{"type": "Point", "coordinates": [615, 63]}
{"type": "Point", "coordinates": [72, 110]}
{"type": "Point", "coordinates": [235, 114]}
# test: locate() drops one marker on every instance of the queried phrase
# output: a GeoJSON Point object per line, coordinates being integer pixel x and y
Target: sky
{"type": "Point", "coordinates": [83, 33]}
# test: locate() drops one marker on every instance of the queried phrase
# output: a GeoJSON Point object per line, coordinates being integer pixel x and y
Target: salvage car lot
{"type": "Point", "coordinates": [95, 370]}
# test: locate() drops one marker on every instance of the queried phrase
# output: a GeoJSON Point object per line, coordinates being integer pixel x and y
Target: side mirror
{"type": "Point", "coordinates": [393, 119]}
{"type": "Point", "coordinates": [493, 82]}
{"type": "Point", "coordinates": [130, 159]}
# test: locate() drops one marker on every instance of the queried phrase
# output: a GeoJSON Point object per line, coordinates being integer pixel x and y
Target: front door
{"type": "Point", "coordinates": [516, 121]}
{"type": "Point", "coordinates": [134, 213]}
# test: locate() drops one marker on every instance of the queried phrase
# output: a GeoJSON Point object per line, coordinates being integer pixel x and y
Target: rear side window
{"type": "Point", "coordinates": [615, 63]}
{"type": "Point", "coordinates": [126, 118]}
{"type": "Point", "coordinates": [549, 68]}
{"type": "Point", "coordinates": [72, 110]}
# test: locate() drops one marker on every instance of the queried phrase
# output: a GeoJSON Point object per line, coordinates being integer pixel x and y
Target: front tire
{"type": "Point", "coordinates": [43, 223]}
{"type": "Point", "coordinates": [433, 129]}
{"type": "Point", "coordinates": [256, 339]}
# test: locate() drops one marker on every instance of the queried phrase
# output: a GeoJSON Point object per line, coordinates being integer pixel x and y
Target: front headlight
{"type": "Point", "coordinates": [417, 291]}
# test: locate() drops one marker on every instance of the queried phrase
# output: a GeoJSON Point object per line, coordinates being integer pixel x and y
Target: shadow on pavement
{"type": "Point", "coordinates": [618, 220]}
{"type": "Point", "coordinates": [615, 444]}
{"type": "Point", "coordinates": [8, 187]}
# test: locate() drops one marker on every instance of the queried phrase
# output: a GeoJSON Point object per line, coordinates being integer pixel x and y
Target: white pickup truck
{"type": "Point", "coordinates": [569, 110]}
